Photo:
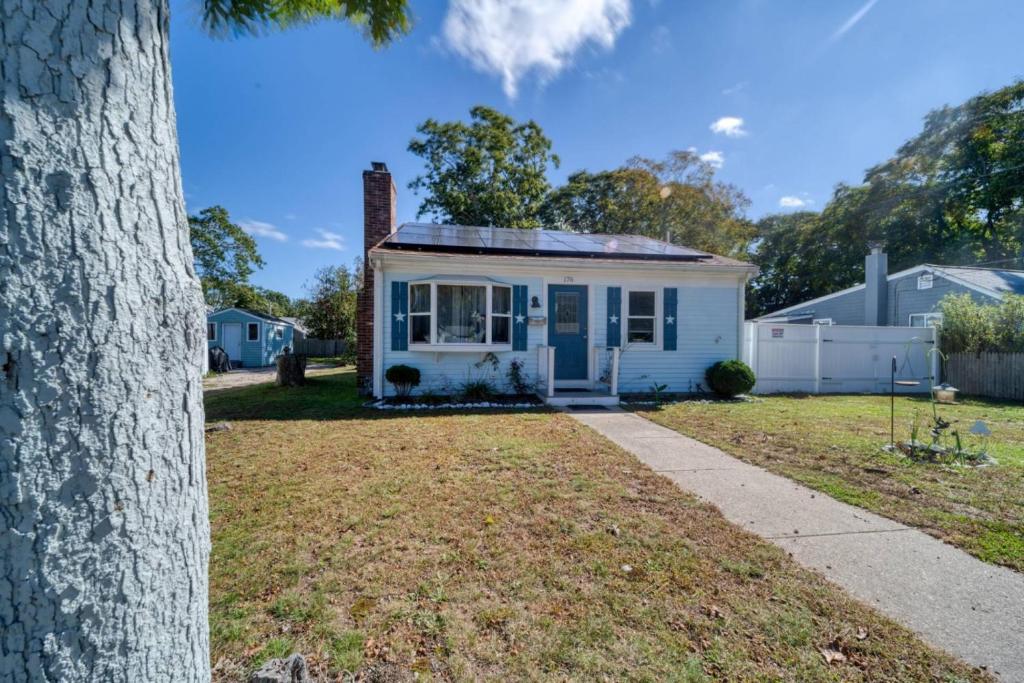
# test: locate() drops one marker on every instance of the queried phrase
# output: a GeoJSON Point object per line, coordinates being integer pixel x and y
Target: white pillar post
{"type": "Point", "coordinates": [615, 371]}
{"type": "Point", "coordinates": [551, 371]}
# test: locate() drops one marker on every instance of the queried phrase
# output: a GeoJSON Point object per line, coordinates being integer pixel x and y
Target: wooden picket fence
{"type": "Point", "coordinates": [993, 375]}
{"type": "Point", "coordinates": [322, 348]}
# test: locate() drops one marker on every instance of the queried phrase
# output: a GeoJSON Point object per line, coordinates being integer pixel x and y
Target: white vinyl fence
{"type": "Point", "coordinates": [826, 359]}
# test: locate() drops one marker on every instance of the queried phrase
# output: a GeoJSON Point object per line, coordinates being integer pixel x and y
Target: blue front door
{"type": "Point", "coordinates": [567, 330]}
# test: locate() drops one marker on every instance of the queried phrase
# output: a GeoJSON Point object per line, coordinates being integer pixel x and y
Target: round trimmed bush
{"type": "Point", "coordinates": [730, 378]}
{"type": "Point", "coordinates": [403, 377]}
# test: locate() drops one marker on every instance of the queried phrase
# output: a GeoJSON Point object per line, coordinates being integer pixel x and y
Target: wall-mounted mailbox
{"type": "Point", "coordinates": [537, 320]}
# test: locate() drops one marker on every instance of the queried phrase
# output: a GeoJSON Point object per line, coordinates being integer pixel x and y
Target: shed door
{"type": "Point", "coordinates": [232, 342]}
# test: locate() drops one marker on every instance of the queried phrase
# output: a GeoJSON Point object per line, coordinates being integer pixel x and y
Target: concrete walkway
{"type": "Point", "coordinates": [955, 602]}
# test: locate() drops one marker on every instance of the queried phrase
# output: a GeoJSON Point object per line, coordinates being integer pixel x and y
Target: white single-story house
{"type": "Point", "coordinates": [250, 338]}
{"type": "Point", "coordinates": [588, 316]}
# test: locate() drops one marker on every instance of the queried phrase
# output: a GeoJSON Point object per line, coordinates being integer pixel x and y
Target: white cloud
{"type": "Point", "coordinates": [853, 20]}
{"type": "Point", "coordinates": [730, 126]}
{"type": "Point", "coordinates": [713, 157]}
{"type": "Point", "coordinates": [510, 38]}
{"type": "Point", "coordinates": [735, 89]}
{"type": "Point", "coordinates": [792, 202]}
{"type": "Point", "coordinates": [328, 240]}
{"type": "Point", "coordinates": [261, 229]}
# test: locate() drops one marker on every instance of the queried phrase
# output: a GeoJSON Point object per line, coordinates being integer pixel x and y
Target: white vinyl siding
{"type": "Point", "coordinates": [708, 320]}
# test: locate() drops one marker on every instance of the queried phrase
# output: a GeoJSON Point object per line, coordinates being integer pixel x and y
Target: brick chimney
{"type": "Point", "coordinates": [379, 209]}
{"type": "Point", "coordinates": [876, 287]}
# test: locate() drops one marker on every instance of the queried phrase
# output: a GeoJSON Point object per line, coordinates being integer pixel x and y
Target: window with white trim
{"type": "Point", "coordinates": [252, 332]}
{"type": "Point", "coordinates": [279, 332]}
{"type": "Point", "coordinates": [501, 315]}
{"type": "Point", "coordinates": [211, 331]}
{"type": "Point", "coordinates": [454, 313]}
{"type": "Point", "coordinates": [420, 314]}
{"type": "Point", "coordinates": [925, 319]}
{"type": "Point", "coordinates": [925, 281]}
{"type": "Point", "coordinates": [823, 321]}
{"type": "Point", "coordinates": [641, 317]}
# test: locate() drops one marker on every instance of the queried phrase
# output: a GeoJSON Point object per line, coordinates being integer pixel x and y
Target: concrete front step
{"type": "Point", "coordinates": [563, 399]}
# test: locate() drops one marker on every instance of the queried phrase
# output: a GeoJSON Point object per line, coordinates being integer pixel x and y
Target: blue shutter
{"type": "Point", "coordinates": [399, 316]}
{"type": "Point", "coordinates": [519, 317]}
{"type": "Point", "coordinates": [614, 316]}
{"type": "Point", "coordinates": [670, 319]}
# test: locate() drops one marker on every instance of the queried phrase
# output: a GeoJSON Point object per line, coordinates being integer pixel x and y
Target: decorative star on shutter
{"type": "Point", "coordinates": [671, 320]}
{"type": "Point", "coordinates": [400, 317]}
{"type": "Point", "coordinates": [613, 319]}
{"type": "Point", "coordinates": [520, 334]}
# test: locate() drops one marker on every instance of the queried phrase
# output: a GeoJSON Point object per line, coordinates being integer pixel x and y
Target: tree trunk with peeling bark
{"type": "Point", "coordinates": [105, 538]}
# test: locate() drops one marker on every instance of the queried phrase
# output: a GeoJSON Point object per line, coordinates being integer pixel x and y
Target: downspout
{"type": "Point", "coordinates": [378, 329]}
{"type": "Point", "coordinates": [741, 304]}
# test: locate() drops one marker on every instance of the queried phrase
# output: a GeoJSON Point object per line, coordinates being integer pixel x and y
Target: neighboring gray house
{"type": "Point", "coordinates": [908, 298]}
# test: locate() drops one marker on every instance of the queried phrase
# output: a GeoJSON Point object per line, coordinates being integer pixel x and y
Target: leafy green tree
{"type": "Point", "coordinates": [277, 303]}
{"type": "Point", "coordinates": [676, 198]}
{"type": "Point", "coordinates": [970, 160]}
{"type": "Point", "coordinates": [105, 539]}
{"type": "Point", "coordinates": [952, 194]}
{"type": "Point", "coordinates": [330, 312]}
{"type": "Point", "coordinates": [783, 255]}
{"type": "Point", "coordinates": [491, 171]}
{"type": "Point", "coordinates": [224, 254]}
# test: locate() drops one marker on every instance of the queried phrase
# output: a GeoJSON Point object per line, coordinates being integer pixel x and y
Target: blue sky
{"type": "Point", "coordinates": [278, 128]}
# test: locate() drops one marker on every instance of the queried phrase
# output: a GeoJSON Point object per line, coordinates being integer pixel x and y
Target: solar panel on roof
{"type": "Point", "coordinates": [484, 240]}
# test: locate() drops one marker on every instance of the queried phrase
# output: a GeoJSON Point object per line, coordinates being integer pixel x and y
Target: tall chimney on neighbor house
{"type": "Point", "coordinates": [379, 209]}
{"type": "Point", "coordinates": [876, 286]}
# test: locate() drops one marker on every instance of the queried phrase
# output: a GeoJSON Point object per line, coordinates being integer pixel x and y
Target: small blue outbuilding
{"type": "Point", "coordinates": [251, 339]}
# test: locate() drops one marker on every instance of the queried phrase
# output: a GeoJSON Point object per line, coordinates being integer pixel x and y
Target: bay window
{"type": "Point", "coordinates": [641, 315]}
{"type": "Point", "coordinates": [450, 313]}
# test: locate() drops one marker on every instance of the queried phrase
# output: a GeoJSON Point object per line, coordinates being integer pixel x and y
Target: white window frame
{"type": "Point", "coordinates": [429, 314]}
{"type": "Point", "coordinates": [208, 337]}
{"type": "Point", "coordinates": [435, 345]}
{"type": "Point", "coordinates": [928, 318]}
{"type": "Point", "coordinates": [278, 331]}
{"type": "Point", "coordinates": [925, 281]}
{"type": "Point", "coordinates": [491, 314]}
{"type": "Point", "coordinates": [822, 321]}
{"type": "Point", "coordinates": [248, 335]}
{"type": "Point", "coordinates": [656, 344]}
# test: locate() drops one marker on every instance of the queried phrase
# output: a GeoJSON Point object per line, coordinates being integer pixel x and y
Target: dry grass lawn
{"type": "Point", "coordinates": [833, 444]}
{"type": "Point", "coordinates": [501, 546]}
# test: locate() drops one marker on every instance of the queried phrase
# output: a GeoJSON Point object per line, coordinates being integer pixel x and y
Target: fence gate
{"type": "Point", "coordinates": [822, 359]}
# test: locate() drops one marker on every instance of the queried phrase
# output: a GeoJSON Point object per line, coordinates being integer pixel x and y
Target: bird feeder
{"type": "Point", "coordinates": [944, 393]}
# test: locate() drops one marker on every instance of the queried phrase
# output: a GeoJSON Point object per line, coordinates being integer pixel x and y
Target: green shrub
{"type": "Point", "coordinates": [730, 378]}
{"type": "Point", "coordinates": [971, 327]}
{"type": "Point", "coordinates": [476, 390]}
{"type": "Point", "coordinates": [403, 378]}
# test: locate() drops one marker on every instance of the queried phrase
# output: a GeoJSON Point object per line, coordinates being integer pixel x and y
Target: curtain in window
{"type": "Point", "coordinates": [462, 314]}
